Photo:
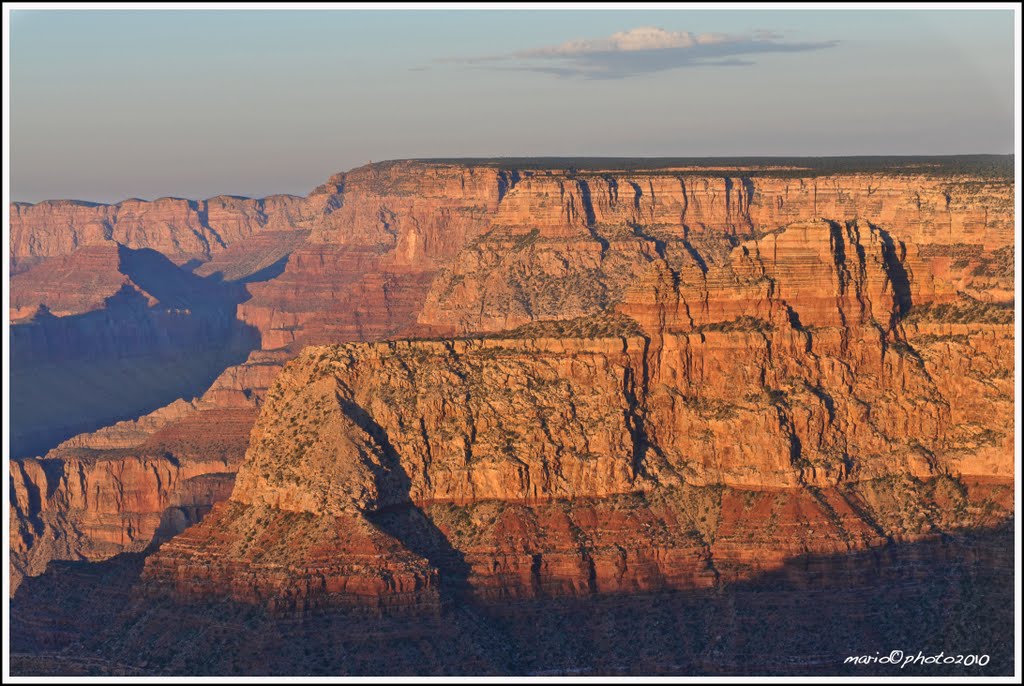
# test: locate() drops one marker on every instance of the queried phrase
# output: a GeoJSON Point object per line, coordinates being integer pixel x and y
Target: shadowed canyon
{"type": "Point", "coordinates": [592, 416]}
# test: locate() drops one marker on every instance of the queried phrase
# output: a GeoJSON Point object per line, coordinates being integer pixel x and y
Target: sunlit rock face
{"type": "Point", "coordinates": [634, 381]}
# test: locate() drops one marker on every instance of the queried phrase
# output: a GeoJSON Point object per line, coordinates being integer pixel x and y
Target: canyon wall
{"type": "Point", "coordinates": [389, 475]}
{"type": "Point", "coordinates": [180, 229]}
{"type": "Point", "coordinates": [677, 337]}
{"type": "Point", "coordinates": [113, 333]}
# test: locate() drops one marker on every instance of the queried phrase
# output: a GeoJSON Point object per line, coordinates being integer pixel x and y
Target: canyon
{"type": "Point", "coordinates": [475, 391]}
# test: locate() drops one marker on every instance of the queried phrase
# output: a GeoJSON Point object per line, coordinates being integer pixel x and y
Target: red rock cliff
{"type": "Point", "coordinates": [852, 325]}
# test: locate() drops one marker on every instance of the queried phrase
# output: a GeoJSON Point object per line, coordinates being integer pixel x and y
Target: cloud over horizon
{"type": "Point", "coordinates": [643, 50]}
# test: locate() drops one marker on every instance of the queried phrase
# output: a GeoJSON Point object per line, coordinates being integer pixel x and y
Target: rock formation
{"type": "Point", "coordinates": [534, 383]}
{"type": "Point", "coordinates": [180, 229]}
{"type": "Point", "coordinates": [539, 465]}
{"type": "Point", "coordinates": [115, 332]}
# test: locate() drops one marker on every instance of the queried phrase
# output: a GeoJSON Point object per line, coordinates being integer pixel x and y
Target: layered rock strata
{"type": "Point", "coordinates": [391, 475]}
{"type": "Point", "coordinates": [855, 324]}
{"type": "Point", "coordinates": [517, 465]}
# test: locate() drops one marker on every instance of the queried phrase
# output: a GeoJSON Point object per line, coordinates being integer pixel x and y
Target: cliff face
{"type": "Point", "coordinates": [413, 247]}
{"type": "Point", "coordinates": [852, 329]}
{"type": "Point", "coordinates": [803, 335]}
{"type": "Point", "coordinates": [461, 249]}
{"type": "Point", "coordinates": [180, 229]}
{"type": "Point", "coordinates": [69, 284]}
{"type": "Point", "coordinates": [535, 466]}
{"type": "Point", "coordinates": [563, 245]}
{"type": "Point", "coordinates": [115, 332]}
{"type": "Point", "coordinates": [97, 509]}
{"type": "Point", "coordinates": [383, 232]}
{"type": "Point", "coordinates": [123, 487]}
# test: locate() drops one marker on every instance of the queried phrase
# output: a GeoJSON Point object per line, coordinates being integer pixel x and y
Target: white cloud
{"type": "Point", "coordinates": [645, 49]}
{"type": "Point", "coordinates": [643, 38]}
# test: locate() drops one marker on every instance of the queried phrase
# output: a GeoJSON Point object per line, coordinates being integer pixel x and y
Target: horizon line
{"type": "Point", "coordinates": [529, 162]}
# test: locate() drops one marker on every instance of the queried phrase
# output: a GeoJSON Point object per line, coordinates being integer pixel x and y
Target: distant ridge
{"type": "Point", "coordinates": [990, 166]}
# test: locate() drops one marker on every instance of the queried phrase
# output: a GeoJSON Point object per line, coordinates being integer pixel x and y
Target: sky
{"type": "Point", "coordinates": [108, 104]}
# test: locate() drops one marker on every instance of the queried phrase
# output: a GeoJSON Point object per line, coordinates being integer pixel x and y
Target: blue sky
{"type": "Point", "coordinates": [107, 105]}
